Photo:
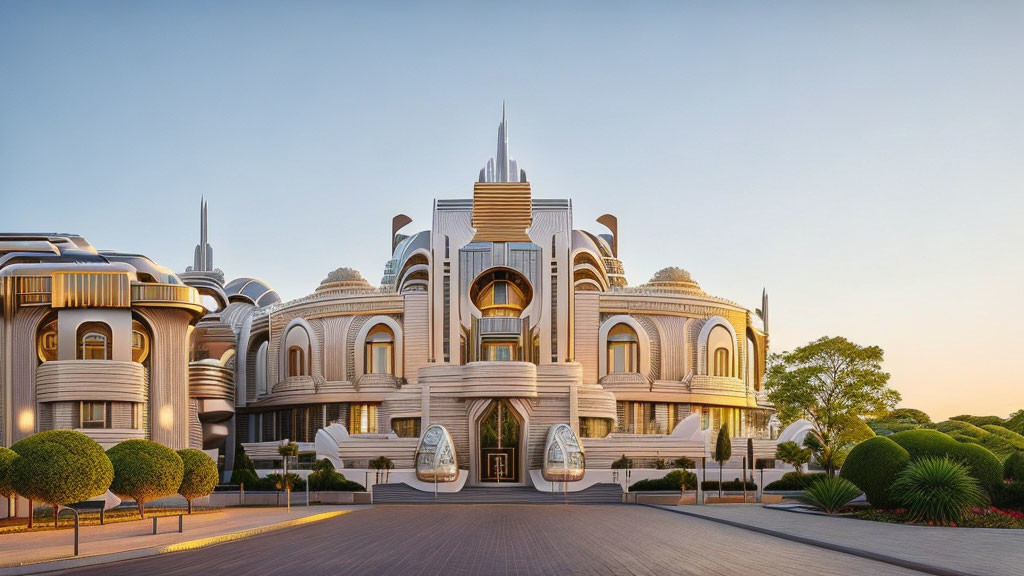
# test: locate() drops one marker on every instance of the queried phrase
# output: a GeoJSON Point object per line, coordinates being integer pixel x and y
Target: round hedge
{"type": "Point", "coordinates": [7, 457]}
{"type": "Point", "coordinates": [60, 467]}
{"type": "Point", "coordinates": [873, 466]}
{"type": "Point", "coordinates": [1013, 467]}
{"type": "Point", "coordinates": [145, 470]}
{"type": "Point", "coordinates": [983, 465]}
{"type": "Point", "coordinates": [199, 476]}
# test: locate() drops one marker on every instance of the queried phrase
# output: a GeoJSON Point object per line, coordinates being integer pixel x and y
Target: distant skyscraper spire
{"type": "Point", "coordinates": [502, 168]}
{"type": "Point", "coordinates": [204, 252]}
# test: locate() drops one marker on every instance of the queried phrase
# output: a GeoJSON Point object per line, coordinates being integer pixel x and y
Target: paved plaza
{"type": "Point", "coordinates": [508, 539]}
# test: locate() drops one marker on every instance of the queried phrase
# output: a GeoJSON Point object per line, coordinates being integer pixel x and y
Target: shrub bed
{"type": "Point", "coordinates": [983, 465]}
{"type": "Point", "coordinates": [1013, 468]}
{"type": "Point", "coordinates": [734, 485]}
{"type": "Point", "coordinates": [674, 480]}
{"type": "Point", "coordinates": [794, 481]}
{"type": "Point", "coordinates": [1009, 495]}
{"type": "Point", "coordinates": [873, 466]}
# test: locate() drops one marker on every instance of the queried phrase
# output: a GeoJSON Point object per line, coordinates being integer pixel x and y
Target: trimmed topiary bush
{"type": "Point", "coordinates": [7, 457]}
{"type": "Point", "coordinates": [830, 494]}
{"type": "Point", "coordinates": [673, 481]}
{"type": "Point", "coordinates": [1013, 468]}
{"type": "Point", "coordinates": [242, 471]}
{"type": "Point", "coordinates": [144, 471]}
{"type": "Point", "coordinates": [873, 466]}
{"type": "Point", "coordinates": [795, 481]}
{"type": "Point", "coordinates": [60, 467]}
{"type": "Point", "coordinates": [324, 478]}
{"type": "Point", "coordinates": [937, 490]}
{"type": "Point", "coordinates": [982, 464]}
{"type": "Point", "coordinates": [1009, 496]}
{"type": "Point", "coordinates": [199, 475]}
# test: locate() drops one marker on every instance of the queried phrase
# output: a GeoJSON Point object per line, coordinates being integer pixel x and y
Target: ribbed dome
{"type": "Point", "coordinates": [673, 279]}
{"type": "Point", "coordinates": [344, 279]}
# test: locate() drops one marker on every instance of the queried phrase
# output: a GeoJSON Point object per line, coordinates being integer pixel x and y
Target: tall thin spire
{"type": "Point", "coordinates": [502, 168]}
{"type": "Point", "coordinates": [204, 252]}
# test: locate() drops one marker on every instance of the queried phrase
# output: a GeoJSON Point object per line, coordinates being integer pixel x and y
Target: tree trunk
{"type": "Point", "coordinates": [720, 479]}
{"type": "Point", "coordinates": [31, 508]}
{"type": "Point", "coordinates": [142, 509]}
{"type": "Point", "coordinates": [189, 505]}
{"type": "Point", "coordinates": [56, 512]}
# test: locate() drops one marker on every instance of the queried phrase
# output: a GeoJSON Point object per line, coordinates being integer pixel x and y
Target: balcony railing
{"type": "Point", "coordinates": [500, 326]}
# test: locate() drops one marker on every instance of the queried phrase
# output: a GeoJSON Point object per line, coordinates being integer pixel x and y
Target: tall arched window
{"type": "Point", "coordinates": [93, 342]}
{"type": "Point", "coordinates": [140, 342]}
{"type": "Point", "coordinates": [47, 344]}
{"type": "Point", "coordinates": [296, 361]}
{"type": "Point", "coordinates": [721, 362]}
{"type": "Point", "coordinates": [380, 346]}
{"type": "Point", "coordinates": [623, 351]}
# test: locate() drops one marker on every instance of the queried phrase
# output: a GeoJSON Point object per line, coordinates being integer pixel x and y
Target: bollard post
{"type": "Point", "coordinates": [154, 525]}
{"type": "Point", "coordinates": [241, 494]}
{"type": "Point", "coordinates": [744, 479]}
{"type": "Point", "coordinates": [75, 512]}
{"type": "Point", "coordinates": [180, 523]}
{"type": "Point", "coordinates": [103, 512]}
{"type": "Point", "coordinates": [307, 491]}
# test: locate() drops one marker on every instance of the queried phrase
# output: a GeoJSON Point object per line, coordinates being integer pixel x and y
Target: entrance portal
{"type": "Point", "coordinates": [499, 431]}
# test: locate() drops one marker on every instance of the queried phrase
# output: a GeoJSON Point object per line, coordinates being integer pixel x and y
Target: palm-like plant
{"type": "Point", "coordinates": [938, 491]}
{"type": "Point", "coordinates": [791, 453]}
{"type": "Point", "coordinates": [830, 494]}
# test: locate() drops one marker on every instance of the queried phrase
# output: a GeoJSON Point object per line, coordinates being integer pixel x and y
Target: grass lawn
{"type": "Point", "coordinates": [44, 520]}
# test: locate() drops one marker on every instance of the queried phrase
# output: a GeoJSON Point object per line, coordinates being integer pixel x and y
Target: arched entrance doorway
{"type": "Point", "coordinates": [500, 433]}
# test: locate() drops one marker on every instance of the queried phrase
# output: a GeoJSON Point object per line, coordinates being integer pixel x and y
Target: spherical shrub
{"type": "Point", "coordinates": [982, 464]}
{"type": "Point", "coordinates": [873, 466]}
{"type": "Point", "coordinates": [7, 457]}
{"type": "Point", "coordinates": [830, 495]}
{"type": "Point", "coordinates": [199, 475]}
{"type": "Point", "coordinates": [923, 443]}
{"type": "Point", "coordinates": [145, 470]}
{"type": "Point", "coordinates": [60, 467]}
{"type": "Point", "coordinates": [1013, 467]}
{"type": "Point", "coordinates": [937, 490]}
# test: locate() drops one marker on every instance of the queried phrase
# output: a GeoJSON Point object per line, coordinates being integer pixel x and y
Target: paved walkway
{"type": "Point", "coordinates": [977, 551]}
{"type": "Point", "coordinates": [133, 539]}
{"type": "Point", "coordinates": [507, 539]}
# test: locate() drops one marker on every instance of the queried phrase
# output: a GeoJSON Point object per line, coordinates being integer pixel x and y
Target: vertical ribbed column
{"type": "Point", "coordinates": [168, 394]}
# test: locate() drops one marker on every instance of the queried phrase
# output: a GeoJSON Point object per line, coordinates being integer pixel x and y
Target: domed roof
{"type": "Point", "coordinates": [673, 279]}
{"type": "Point", "coordinates": [251, 290]}
{"type": "Point", "coordinates": [344, 279]}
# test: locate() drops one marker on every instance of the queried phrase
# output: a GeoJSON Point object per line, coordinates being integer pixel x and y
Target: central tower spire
{"type": "Point", "coordinates": [502, 168]}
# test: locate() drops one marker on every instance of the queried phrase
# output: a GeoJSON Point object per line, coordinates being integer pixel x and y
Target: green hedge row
{"type": "Point", "coordinates": [795, 481]}
{"type": "Point", "coordinates": [674, 481]}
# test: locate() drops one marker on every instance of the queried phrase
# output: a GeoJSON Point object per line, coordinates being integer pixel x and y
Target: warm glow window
{"type": "Point", "coordinates": [499, 351]}
{"type": "Point", "coordinates": [362, 419]}
{"type": "Point", "coordinates": [140, 342]}
{"type": "Point", "coordinates": [47, 345]}
{"type": "Point", "coordinates": [94, 341]}
{"type": "Point", "coordinates": [722, 362]}
{"type": "Point", "coordinates": [406, 427]}
{"type": "Point", "coordinates": [622, 350]}
{"type": "Point", "coordinates": [380, 345]}
{"type": "Point", "coordinates": [595, 427]}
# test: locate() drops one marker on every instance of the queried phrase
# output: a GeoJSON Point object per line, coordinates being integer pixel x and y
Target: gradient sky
{"type": "Point", "coordinates": [865, 161]}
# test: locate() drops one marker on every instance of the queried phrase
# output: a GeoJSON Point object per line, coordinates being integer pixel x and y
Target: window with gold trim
{"type": "Point", "coordinates": [94, 414]}
{"type": "Point", "coordinates": [362, 419]}
{"type": "Point", "coordinates": [722, 362]}
{"type": "Point", "coordinates": [296, 361]}
{"type": "Point", "coordinates": [140, 342]}
{"type": "Point", "coordinates": [94, 341]}
{"type": "Point", "coordinates": [623, 351]}
{"type": "Point", "coordinates": [406, 427]}
{"type": "Point", "coordinates": [380, 346]}
{"type": "Point", "coordinates": [47, 343]}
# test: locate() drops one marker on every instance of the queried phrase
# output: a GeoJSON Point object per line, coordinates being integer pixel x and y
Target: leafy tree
{"type": "Point", "coordinates": [60, 467]}
{"type": "Point", "coordinates": [7, 457]}
{"type": "Point", "coordinates": [287, 451]}
{"type": "Point", "coordinates": [199, 475]}
{"type": "Point", "coordinates": [683, 462]}
{"type": "Point", "coordinates": [243, 471]}
{"type": "Point", "coordinates": [622, 463]}
{"type": "Point", "coordinates": [723, 451]}
{"type": "Point", "coordinates": [791, 453]}
{"type": "Point", "coordinates": [144, 471]}
{"type": "Point", "coordinates": [1016, 422]}
{"type": "Point", "coordinates": [382, 465]}
{"type": "Point", "coordinates": [829, 381]}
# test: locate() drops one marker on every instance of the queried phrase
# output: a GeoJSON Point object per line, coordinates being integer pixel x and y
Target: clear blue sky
{"type": "Point", "coordinates": [863, 161]}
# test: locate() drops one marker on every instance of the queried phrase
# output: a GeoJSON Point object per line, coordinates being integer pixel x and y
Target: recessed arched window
{"type": "Point", "coordinates": [721, 362]}
{"type": "Point", "coordinates": [296, 361]}
{"type": "Point", "coordinates": [47, 341]}
{"type": "Point", "coordinates": [501, 292]}
{"type": "Point", "coordinates": [623, 350]}
{"type": "Point", "coordinates": [93, 342]}
{"type": "Point", "coordinates": [140, 342]}
{"type": "Point", "coordinates": [380, 346]}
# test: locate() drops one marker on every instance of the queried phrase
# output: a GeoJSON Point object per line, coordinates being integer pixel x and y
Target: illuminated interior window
{"type": "Point", "coordinates": [380, 345]}
{"type": "Point", "coordinates": [362, 419]}
{"type": "Point", "coordinates": [406, 427]}
{"type": "Point", "coordinates": [623, 351]}
{"type": "Point", "coordinates": [94, 341]}
{"type": "Point", "coordinates": [140, 342]}
{"type": "Point", "coordinates": [47, 345]}
{"type": "Point", "coordinates": [721, 362]}
{"type": "Point", "coordinates": [595, 427]}
{"type": "Point", "coordinates": [503, 293]}
{"type": "Point", "coordinates": [500, 351]}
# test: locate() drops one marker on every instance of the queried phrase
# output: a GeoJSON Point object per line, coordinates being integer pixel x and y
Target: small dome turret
{"type": "Point", "coordinates": [673, 279]}
{"type": "Point", "coordinates": [344, 279]}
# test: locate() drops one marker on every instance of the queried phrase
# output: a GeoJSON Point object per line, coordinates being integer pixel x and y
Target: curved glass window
{"type": "Point", "coordinates": [47, 342]}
